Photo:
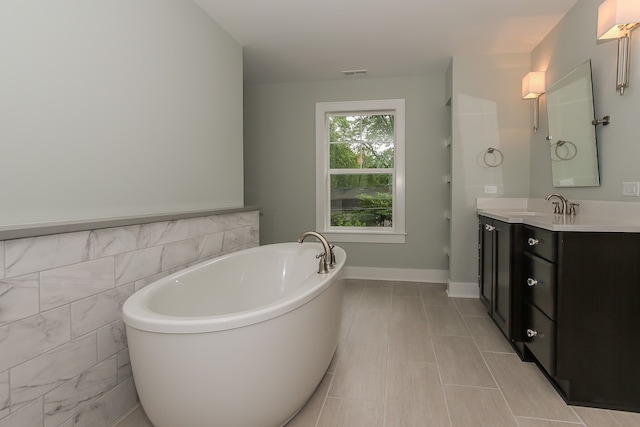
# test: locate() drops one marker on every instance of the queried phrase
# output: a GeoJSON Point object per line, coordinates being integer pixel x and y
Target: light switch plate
{"type": "Point", "coordinates": [631, 189]}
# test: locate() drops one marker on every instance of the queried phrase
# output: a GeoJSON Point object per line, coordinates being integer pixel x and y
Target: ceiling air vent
{"type": "Point", "coordinates": [350, 73]}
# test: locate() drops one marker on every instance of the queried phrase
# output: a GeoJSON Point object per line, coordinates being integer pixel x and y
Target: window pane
{"type": "Point", "coordinates": [345, 128]}
{"type": "Point", "coordinates": [361, 155]}
{"type": "Point", "coordinates": [369, 128]}
{"type": "Point", "coordinates": [344, 156]}
{"type": "Point", "coordinates": [361, 200]}
{"type": "Point", "coordinates": [378, 128]}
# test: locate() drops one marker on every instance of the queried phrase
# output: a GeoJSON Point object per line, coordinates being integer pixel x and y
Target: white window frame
{"type": "Point", "coordinates": [394, 234]}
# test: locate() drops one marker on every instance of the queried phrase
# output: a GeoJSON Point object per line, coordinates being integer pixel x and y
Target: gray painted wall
{"type": "Point", "coordinates": [280, 163]}
{"type": "Point", "coordinates": [117, 108]}
{"type": "Point", "coordinates": [571, 43]}
{"type": "Point", "coordinates": [487, 112]}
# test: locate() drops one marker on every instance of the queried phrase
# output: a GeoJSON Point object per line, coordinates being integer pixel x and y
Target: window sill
{"type": "Point", "coordinates": [364, 236]}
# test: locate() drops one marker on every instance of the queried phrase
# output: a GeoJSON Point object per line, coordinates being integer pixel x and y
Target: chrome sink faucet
{"type": "Point", "coordinates": [558, 209]}
{"type": "Point", "coordinates": [327, 258]}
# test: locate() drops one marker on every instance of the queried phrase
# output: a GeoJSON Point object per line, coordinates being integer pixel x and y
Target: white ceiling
{"type": "Point", "coordinates": [304, 40]}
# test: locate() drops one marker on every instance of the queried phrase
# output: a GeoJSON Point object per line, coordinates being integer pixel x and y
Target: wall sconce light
{"type": "Point", "coordinates": [616, 20]}
{"type": "Point", "coordinates": [533, 85]}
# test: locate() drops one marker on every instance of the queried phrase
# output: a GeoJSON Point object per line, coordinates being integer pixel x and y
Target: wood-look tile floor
{"type": "Point", "coordinates": [410, 356]}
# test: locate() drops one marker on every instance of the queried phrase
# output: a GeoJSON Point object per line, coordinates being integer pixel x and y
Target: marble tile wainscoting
{"type": "Point", "coordinates": [64, 359]}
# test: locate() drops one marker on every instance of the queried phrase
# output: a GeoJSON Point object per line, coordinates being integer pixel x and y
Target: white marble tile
{"type": "Point", "coordinates": [19, 298]}
{"type": "Point", "coordinates": [98, 310]}
{"type": "Point", "coordinates": [204, 225]}
{"type": "Point", "coordinates": [139, 284]}
{"type": "Point", "coordinates": [42, 374]}
{"type": "Point", "coordinates": [67, 284]}
{"type": "Point", "coordinates": [180, 253]}
{"type": "Point", "coordinates": [109, 408]}
{"type": "Point", "coordinates": [160, 233]}
{"type": "Point", "coordinates": [238, 220]}
{"type": "Point", "coordinates": [4, 394]}
{"type": "Point", "coordinates": [111, 339]}
{"type": "Point", "coordinates": [124, 365]}
{"type": "Point", "coordinates": [24, 339]}
{"type": "Point", "coordinates": [113, 241]}
{"type": "Point", "coordinates": [239, 237]}
{"type": "Point", "coordinates": [29, 416]}
{"type": "Point", "coordinates": [210, 245]}
{"type": "Point", "coordinates": [218, 223]}
{"type": "Point", "coordinates": [136, 265]}
{"type": "Point", "coordinates": [78, 392]}
{"type": "Point", "coordinates": [34, 254]}
{"type": "Point", "coordinates": [68, 423]}
{"type": "Point", "coordinates": [136, 418]}
{"type": "Point", "coordinates": [240, 248]}
{"type": "Point", "coordinates": [1, 260]}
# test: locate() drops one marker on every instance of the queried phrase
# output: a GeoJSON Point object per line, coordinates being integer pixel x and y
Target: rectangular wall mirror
{"type": "Point", "coordinates": [572, 135]}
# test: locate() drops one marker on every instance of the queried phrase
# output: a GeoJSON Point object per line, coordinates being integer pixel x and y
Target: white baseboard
{"type": "Point", "coordinates": [463, 289]}
{"type": "Point", "coordinates": [397, 274]}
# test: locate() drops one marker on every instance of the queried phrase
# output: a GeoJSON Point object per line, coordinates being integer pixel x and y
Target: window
{"type": "Point", "coordinates": [360, 170]}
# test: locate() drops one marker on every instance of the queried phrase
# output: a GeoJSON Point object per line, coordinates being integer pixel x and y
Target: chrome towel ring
{"type": "Point", "coordinates": [492, 159]}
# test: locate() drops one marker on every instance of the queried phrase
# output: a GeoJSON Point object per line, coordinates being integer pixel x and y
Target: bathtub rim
{"type": "Point", "coordinates": [137, 314]}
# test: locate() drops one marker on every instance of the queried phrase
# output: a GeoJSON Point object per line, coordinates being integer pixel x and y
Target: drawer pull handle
{"type": "Point", "coordinates": [531, 333]}
{"type": "Point", "coordinates": [489, 227]}
{"type": "Point", "coordinates": [531, 282]}
{"type": "Point", "coordinates": [532, 241]}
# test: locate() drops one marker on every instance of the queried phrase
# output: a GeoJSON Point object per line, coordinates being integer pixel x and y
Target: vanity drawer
{"type": "Point", "coordinates": [540, 337]}
{"type": "Point", "coordinates": [540, 242]}
{"type": "Point", "coordinates": [540, 284]}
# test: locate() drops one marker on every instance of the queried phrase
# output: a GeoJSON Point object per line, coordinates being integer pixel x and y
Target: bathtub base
{"type": "Point", "coordinates": [256, 375]}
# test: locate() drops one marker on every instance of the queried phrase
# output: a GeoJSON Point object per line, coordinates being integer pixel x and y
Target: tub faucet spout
{"type": "Point", "coordinates": [327, 258]}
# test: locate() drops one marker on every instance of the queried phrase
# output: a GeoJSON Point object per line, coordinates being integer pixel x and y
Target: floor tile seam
{"type": "Point", "coordinates": [470, 386]}
{"type": "Point", "coordinates": [477, 316]}
{"type": "Point", "coordinates": [466, 326]}
{"type": "Point", "coordinates": [451, 335]}
{"type": "Point", "coordinates": [424, 311]}
{"type": "Point", "coordinates": [500, 352]}
{"type": "Point", "coordinates": [346, 340]}
{"type": "Point", "coordinates": [580, 418]}
{"type": "Point", "coordinates": [347, 346]}
{"type": "Point", "coordinates": [495, 380]}
{"type": "Point", "coordinates": [436, 305]}
{"type": "Point", "coordinates": [385, 398]}
{"type": "Point", "coordinates": [357, 306]}
{"type": "Point", "coordinates": [407, 362]}
{"type": "Point", "coordinates": [611, 416]}
{"type": "Point", "coordinates": [550, 420]}
{"type": "Point", "coordinates": [354, 399]}
{"type": "Point", "coordinates": [324, 400]}
{"type": "Point", "coordinates": [394, 318]}
{"type": "Point", "coordinates": [444, 395]}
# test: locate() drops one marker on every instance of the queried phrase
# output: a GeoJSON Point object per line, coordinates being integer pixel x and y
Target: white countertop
{"type": "Point", "coordinates": [552, 222]}
{"type": "Point", "coordinates": [592, 216]}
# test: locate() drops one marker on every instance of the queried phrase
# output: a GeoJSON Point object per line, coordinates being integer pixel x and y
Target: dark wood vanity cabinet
{"type": "Point", "coordinates": [582, 313]}
{"type": "Point", "coordinates": [500, 262]}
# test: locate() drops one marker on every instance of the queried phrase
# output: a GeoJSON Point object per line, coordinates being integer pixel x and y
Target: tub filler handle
{"type": "Point", "coordinates": [324, 265]}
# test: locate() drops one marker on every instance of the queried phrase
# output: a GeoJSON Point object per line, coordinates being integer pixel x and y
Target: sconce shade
{"type": "Point", "coordinates": [616, 18]}
{"type": "Point", "coordinates": [533, 85]}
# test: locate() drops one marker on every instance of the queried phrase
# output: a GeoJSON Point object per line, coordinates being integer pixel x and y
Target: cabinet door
{"type": "Point", "coordinates": [502, 276]}
{"type": "Point", "coordinates": [486, 249]}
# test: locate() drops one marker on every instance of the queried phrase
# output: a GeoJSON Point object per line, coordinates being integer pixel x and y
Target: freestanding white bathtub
{"type": "Point", "coordinates": [239, 341]}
